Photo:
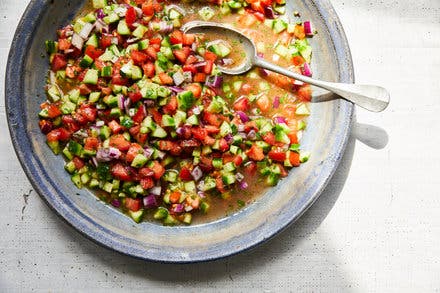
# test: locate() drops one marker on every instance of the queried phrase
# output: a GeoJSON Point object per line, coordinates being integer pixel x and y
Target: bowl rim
{"type": "Point", "coordinates": [14, 80]}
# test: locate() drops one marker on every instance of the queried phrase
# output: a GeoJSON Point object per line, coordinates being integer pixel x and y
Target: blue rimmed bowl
{"type": "Point", "coordinates": [326, 138]}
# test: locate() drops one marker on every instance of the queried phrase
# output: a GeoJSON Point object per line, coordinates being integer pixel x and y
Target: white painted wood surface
{"type": "Point", "coordinates": [376, 228]}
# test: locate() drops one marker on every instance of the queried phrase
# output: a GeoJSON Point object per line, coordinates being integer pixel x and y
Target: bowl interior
{"type": "Point", "coordinates": [325, 137]}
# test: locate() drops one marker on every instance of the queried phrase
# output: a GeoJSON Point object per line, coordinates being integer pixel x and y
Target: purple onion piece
{"type": "Point", "coordinates": [276, 102]}
{"type": "Point", "coordinates": [197, 173]}
{"type": "Point", "coordinates": [100, 13]}
{"type": "Point", "coordinates": [150, 201]}
{"type": "Point", "coordinates": [263, 72]}
{"type": "Point", "coordinates": [180, 131]}
{"type": "Point", "coordinates": [177, 208]}
{"type": "Point", "coordinates": [149, 103]}
{"type": "Point", "coordinates": [268, 12]}
{"type": "Point", "coordinates": [116, 203]}
{"type": "Point", "coordinates": [94, 161]}
{"type": "Point", "coordinates": [148, 152]}
{"type": "Point", "coordinates": [307, 70]}
{"type": "Point", "coordinates": [243, 116]}
{"type": "Point", "coordinates": [241, 127]}
{"type": "Point", "coordinates": [239, 177]}
{"type": "Point", "coordinates": [201, 194]}
{"type": "Point", "coordinates": [199, 64]}
{"type": "Point", "coordinates": [226, 61]}
{"type": "Point", "coordinates": [196, 110]}
{"type": "Point", "coordinates": [243, 185]}
{"type": "Point", "coordinates": [214, 81]}
{"type": "Point", "coordinates": [252, 135]}
{"type": "Point", "coordinates": [308, 28]}
{"type": "Point", "coordinates": [229, 138]}
{"type": "Point", "coordinates": [176, 89]}
{"type": "Point", "coordinates": [121, 102]}
{"type": "Point", "coordinates": [107, 154]}
{"type": "Point", "coordinates": [261, 55]}
{"type": "Point", "coordinates": [127, 104]}
{"type": "Point", "coordinates": [280, 120]}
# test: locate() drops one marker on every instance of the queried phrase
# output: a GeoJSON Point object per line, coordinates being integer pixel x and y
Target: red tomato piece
{"type": "Point", "coordinates": [120, 172]}
{"type": "Point", "coordinates": [185, 174]}
{"type": "Point", "coordinates": [118, 141]}
{"type": "Point", "coordinates": [158, 170]}
{"type": "Point", "coordinates": [138, 57]}
{"type": "Point", "coordinates": [294, 159]}
{"type": "Point", "coordinates": [58, 62]}
{"type": "Point", "coordinates": [91, 143]}
{"type": "Point", "coordinates": [147, 183]}
{"type": "Point", "coordinates": [132, 204]}
{"type": "Point", "coordinates": [255, 153]}
{"type": "Point", "coordinates": [133, 151]}
{"type": "Point", "coordinates": [130, 16]}
{"type": "Point", "coordinates": [149, 69]}
{"type": "Point", "coordinates": [93, 52]}
{"type": "Point", "coordinates": [278, 156]}
{"type": "Point", "coordinates": [242, 104]}
{"type": "Point", "coordinates": [176, 37]}
{"type": "Point", "coordinates": [78, 163]}
{"type": "Point", "coordinates": [140, 115]}
{"type": "Point", "coordinates": [115, 127]}
{"type": "Point", "coordinates": [53, 111]}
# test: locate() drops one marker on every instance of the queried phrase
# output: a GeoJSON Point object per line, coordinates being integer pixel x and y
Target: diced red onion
{"type": "Point", "coordinates": [150, 201]}
{"type": "Point", "coordinates": [229, 138]}
{"type": "Point", "coordinates": [280, 120]}
{"type": "Point", "coordinates": [298, 82]}
{"type": "Point", "coordinates": [120, 11]}
{"type": "Point", "coordinates": [263, 72]}
{"type": "Point", "coordinates": [80, 134]}
{"type": "Point", "coordinates": [101, 26]}
{"type": "Point", "coordinates": [178, 78]}
{"type": "Point", "coordinates": [115, 41]}
{"type": "Point", "coordinates": [201, 185]}
{"type": "Point", "coordinates": [96, 128]}
{"type": "Point", "coordinates": [132, 40]}
{"type": "Point", "coordinates": [188, 208]}
{"type": "Point", "coordinates": [177, 208]}
{"type": "Point", "coordinates": [239, 177]}
{"type": "Point", "coordinates": [201, 194]}
{"type": "Point", "coordinates": [226, 61]}
{"type": "Point", "coordinates": [107, 154]}
{"type": "Point", "coordinates": [196, 110]}
{"type": "Point", "coordinates": [139, 12]}
{"type": "Point", "coordinates": [77, 41]}
{"type": "Point", "coordinates": [243, 185]}
{"type": "Point", "coordinates": [99, 123]}
{"type": "Point", "coordinates": [243, 116]}
{"type": "Point", "coordinates": [306, 70]}
{"type": "Point", "coordinates": [94, 161]}
{"type": "Point", "coordinates": [200, 64]}
{"type": "Point", "coordinates": [161, 27]}
{"type": "Point", "coordinates": [86, 30]}
{"type": "Point", "coordinates": [241, 127]}
{"type": "Point", "coordinates": [121, 101]}
{"type": "Point", "coordinates": [261, 55]}
{"type": "Point", "coordinates": [116, 203]}
{"type": "Point", "coordinates": [243, 135]}
{"type": "Point", "coordinates": [161, 155]}
{"type": "Point", "coordinates": [276, 102]}
{"type": "Point", "coordinates": [214, 81]}
{"type": "Point", "coordinates": [148, 152]}
{"type": "Point", "coordinates": [252, 134]}
{"type": "Point", "coordinates": [180, 131]}
{"type": "Point", "coordinates": [156, 190]}
{"type": "Point", "coordinates": [197, 173]}
{"type": "Point", "coordinates": [308, 28]}
{"type": "Point", "coordinates": [127, 104]}
{"type": "Point", "coordinates": [100, 13]}
{"type": "Point", "coordinates": [268, 12]}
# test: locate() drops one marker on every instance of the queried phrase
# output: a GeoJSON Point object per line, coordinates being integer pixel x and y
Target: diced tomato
{"type": "Point", "coordinates": [199, 77]}
{"type": "Point", "coordinates": [135, 96]}
{"type": "Point", "coordinates": [199, 133]}
{"type": "Point", "coordinates": [189, 67]}
{"type": "Point", "coordinates": [46, 126]}
{"type": "Point", "coordinates": [238, 160]}
{"type": "Point", "coordinates": [147, 183]}
{"type": "Point", "coordinates": [63, 134]}
{"type": "Point", "coordinates": [158, 170]}
{"type": "Point", "coordinates": [208, 67]}
{"type": "Point", "coordinates": [176, 37]}
{"type": "Point", "coordinates": [140, 115]}
{"type": "Point", "coordinates": [188, 39]}
{"type": "Point", "coordinates": [157, 117]}
{"type": "Point", "coordinates": [137, 135]}
{"type": "Point", "coordinates": [210, 56]}
{"type": "Point", "coordinates": [118, 141]}
{"type": "Point", "coordinates": [305, 93]}
{"type": "Point", "coordinates": [219, 184]}
{"type": "Point", "coordinates": [148, 8]}
{"type": "Point", "coordinates": [149, 69]}
{"type": "Point", "coordinates": [242, 104]}
{"type": "Point", "coordinates": [93, 52]}
{"type": "Point", "coordinates": [168, 145]}
{"type": "Point", "coordinates": [195, 88]}
{"type": "Point", "coordinates": [175, 196]}
{"type": "Point", "coordinates": [294, 159]}
{"type": "Point", "coordinates": [293, 136]}
{"type": "Point", "coordinates": [278, 156]}
{"type": "Point", "coordinates": [283, 171]}
{"type": "Point", "coordinates": [263, 103]}
{"type": "Point", "coordinates": [250, 168]}
{"type": "Point", "coordinates": [171, 107]}
{"type": "Point", "coordinates": [155, 41]}
{"type": "Point", "coordinates": [130, 16]}
{"type": "Point", "coordinates": [89, 112]}
{"type": "Point", "coordinates": [138, 57]}
{"type": "Point", "coordinates": [246, 89]}
{"type": "Point", "coordinates": [182, 54]}
{"type": "Point", "coordinates": [78, 163]}
{"type": "Point", "coordinates": [223, 145]}
{"type": "Point", "coordinates": [269, 137]}
{"type": "Point", "coordinates": [64, 44]}
{"type": "Point", "coordinates": [151, 51]}
{"type": "Point", "coordinates": [106, 40]}
{"type": "Point", "coordinates": [117, 79]}
{"type": "Point", "coordinates": [299, 32]}
{"type": "Point", "coordinates": [120, 172]}
{"type": "Point", "coordinates": [212, 118]}
{"type": "Point", "coordinates": [209, 140]}
{"type": "Point", "coordinates": [146, 172]}
{"type": "Point", "coordinates": [91, 143]}
{"type": "Point", "coordinates": [255, 153]}
{"type": "Point", "coordinates": [133, 204]}
{"type": "Point", "coordinates": [205, 164]}
{"type": "Point", "coordinates": [58, 62]}
{"type": "Point", "coordinates": [247, 19]}
{"type": "Point", "coordinates": [133, 151]}
{"type": "Point", "coordinates": [191, 60]}
{"type": "Point", "coordinates": [115, 127]}
{"type": "Point", "coordinates": [79, 118]}
{"type": "Point", "coordinates": [185, 174]}
{"type": "Point", "coordinates": [260, 16]}
{"type": "Point", "coordinates": [165, 78]}
{"type": "Point", "coordinates": [298, 60]}
{"type": "Point", "coordinates": [211, 129]}
{"type": "Point", "coordinates": [71, 72]}
{"type": "Point", "coordinates": [53, 111]}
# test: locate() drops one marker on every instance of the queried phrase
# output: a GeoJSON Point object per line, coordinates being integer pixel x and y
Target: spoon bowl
{"type": "Point", "coordinates": [370, 97]}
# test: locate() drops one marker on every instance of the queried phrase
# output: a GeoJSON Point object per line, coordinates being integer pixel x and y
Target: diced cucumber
{"type": "Point", "coordinates": [206, 13]}
{"type": "Point", "coordinates": [91, 76]}
{"type": "Point", "coordinates": [272, 179]}
{"type": "Point", "coordinates": [86, 61]}
{"type": "Point", "coordinates": [51, 46]}
{"type": "Point", "coordinates": [70, 167]}
{"type": "Point", "coordinates": [228, 178]}
{"type": "Point", "coordinates": [225, 129]}
{"type": "Point", "coordinates": [54, 146]}
{"type": "Point", "coordinates": [282, 50]}
{"type": "Point", "coordinates": [187, 218]}
{"type": "Point", "coordinates": [204, 207]}
{"type": "Point", "coordinates": [76, 179]}
{"type": "Point", "coordinates": [185, 100]}
{"type": "Point", "coordinates": [192, 120]}
{"type": "Point", "coordinates": [137, 216]}
{"type": "Point", "coordinates": [217, 163]}
{"type": "Point", "coordinates": [54, 93]}
{"type": "Point", "coordinates": [99, 4]}
{"type": "Point", "coordinates": [304, 156]}
{"type": "Point", "coordinates": [302, 109]}
{"type": "Point", "coordinates": [75, 148]}
{"type": "Point", "coordinates": [139, 161]}
{"type": "Point", "coordinates": [94, 183]}
{"type": "Point", "coordinates": [161, 213]}
{"type": "Point", "coordinates": [106, 71]}
{"type": "Point", "coordinates": [140, 31]}
{"type": "Point", "coordinates": [93, 41]}
{"type": "Point", "coordinates": [170, 221]}
{"type": "Point", "coordinates": [220, 50]}
{"type": "Point", "coordinates": [94, 97]}
{"type": "Point", "coordinates": [279, 25]}
{"type": "Point", "coordinates": [111, 18]}
{"type": "Point", "coordinates": [142, 45]}
{"type": "Point", "coordinates": [229, 167]}
{"type": "Point", "coordinates": [168, 121]}
{"type": "Point", "coordinates": [159, 132]}
{"type": "Point", "coordinates": [190, 187]}
{"type": "Point", "coordinates": [301, 125]}
{"type": "Point", "coordinates": [123, 28]}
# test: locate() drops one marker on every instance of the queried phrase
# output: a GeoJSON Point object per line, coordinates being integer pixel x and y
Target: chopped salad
{"type": "Point", "coordinates": [143, 115]}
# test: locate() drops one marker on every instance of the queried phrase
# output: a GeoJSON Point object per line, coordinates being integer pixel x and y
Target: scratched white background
{"type": "Point", "coordinates": [376, 228]}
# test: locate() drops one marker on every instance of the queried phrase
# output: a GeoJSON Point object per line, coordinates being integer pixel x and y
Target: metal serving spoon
{"type": "Point", "coordinates": [370, 97]}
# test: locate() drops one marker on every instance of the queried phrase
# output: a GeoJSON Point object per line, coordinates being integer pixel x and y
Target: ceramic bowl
{"type": "Point", "coordinates": [326, 138]}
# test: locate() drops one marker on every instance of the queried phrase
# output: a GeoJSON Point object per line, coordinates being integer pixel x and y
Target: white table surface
{"type": "Point", "coordinates": [375, 228]}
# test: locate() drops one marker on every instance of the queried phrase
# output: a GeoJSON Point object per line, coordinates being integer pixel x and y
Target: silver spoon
{"type": "Point", "coordinates": [370, 97]}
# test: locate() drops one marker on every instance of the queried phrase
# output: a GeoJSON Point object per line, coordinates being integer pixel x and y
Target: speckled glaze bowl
{"type": "Point", "coordinates": [326, 138]}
